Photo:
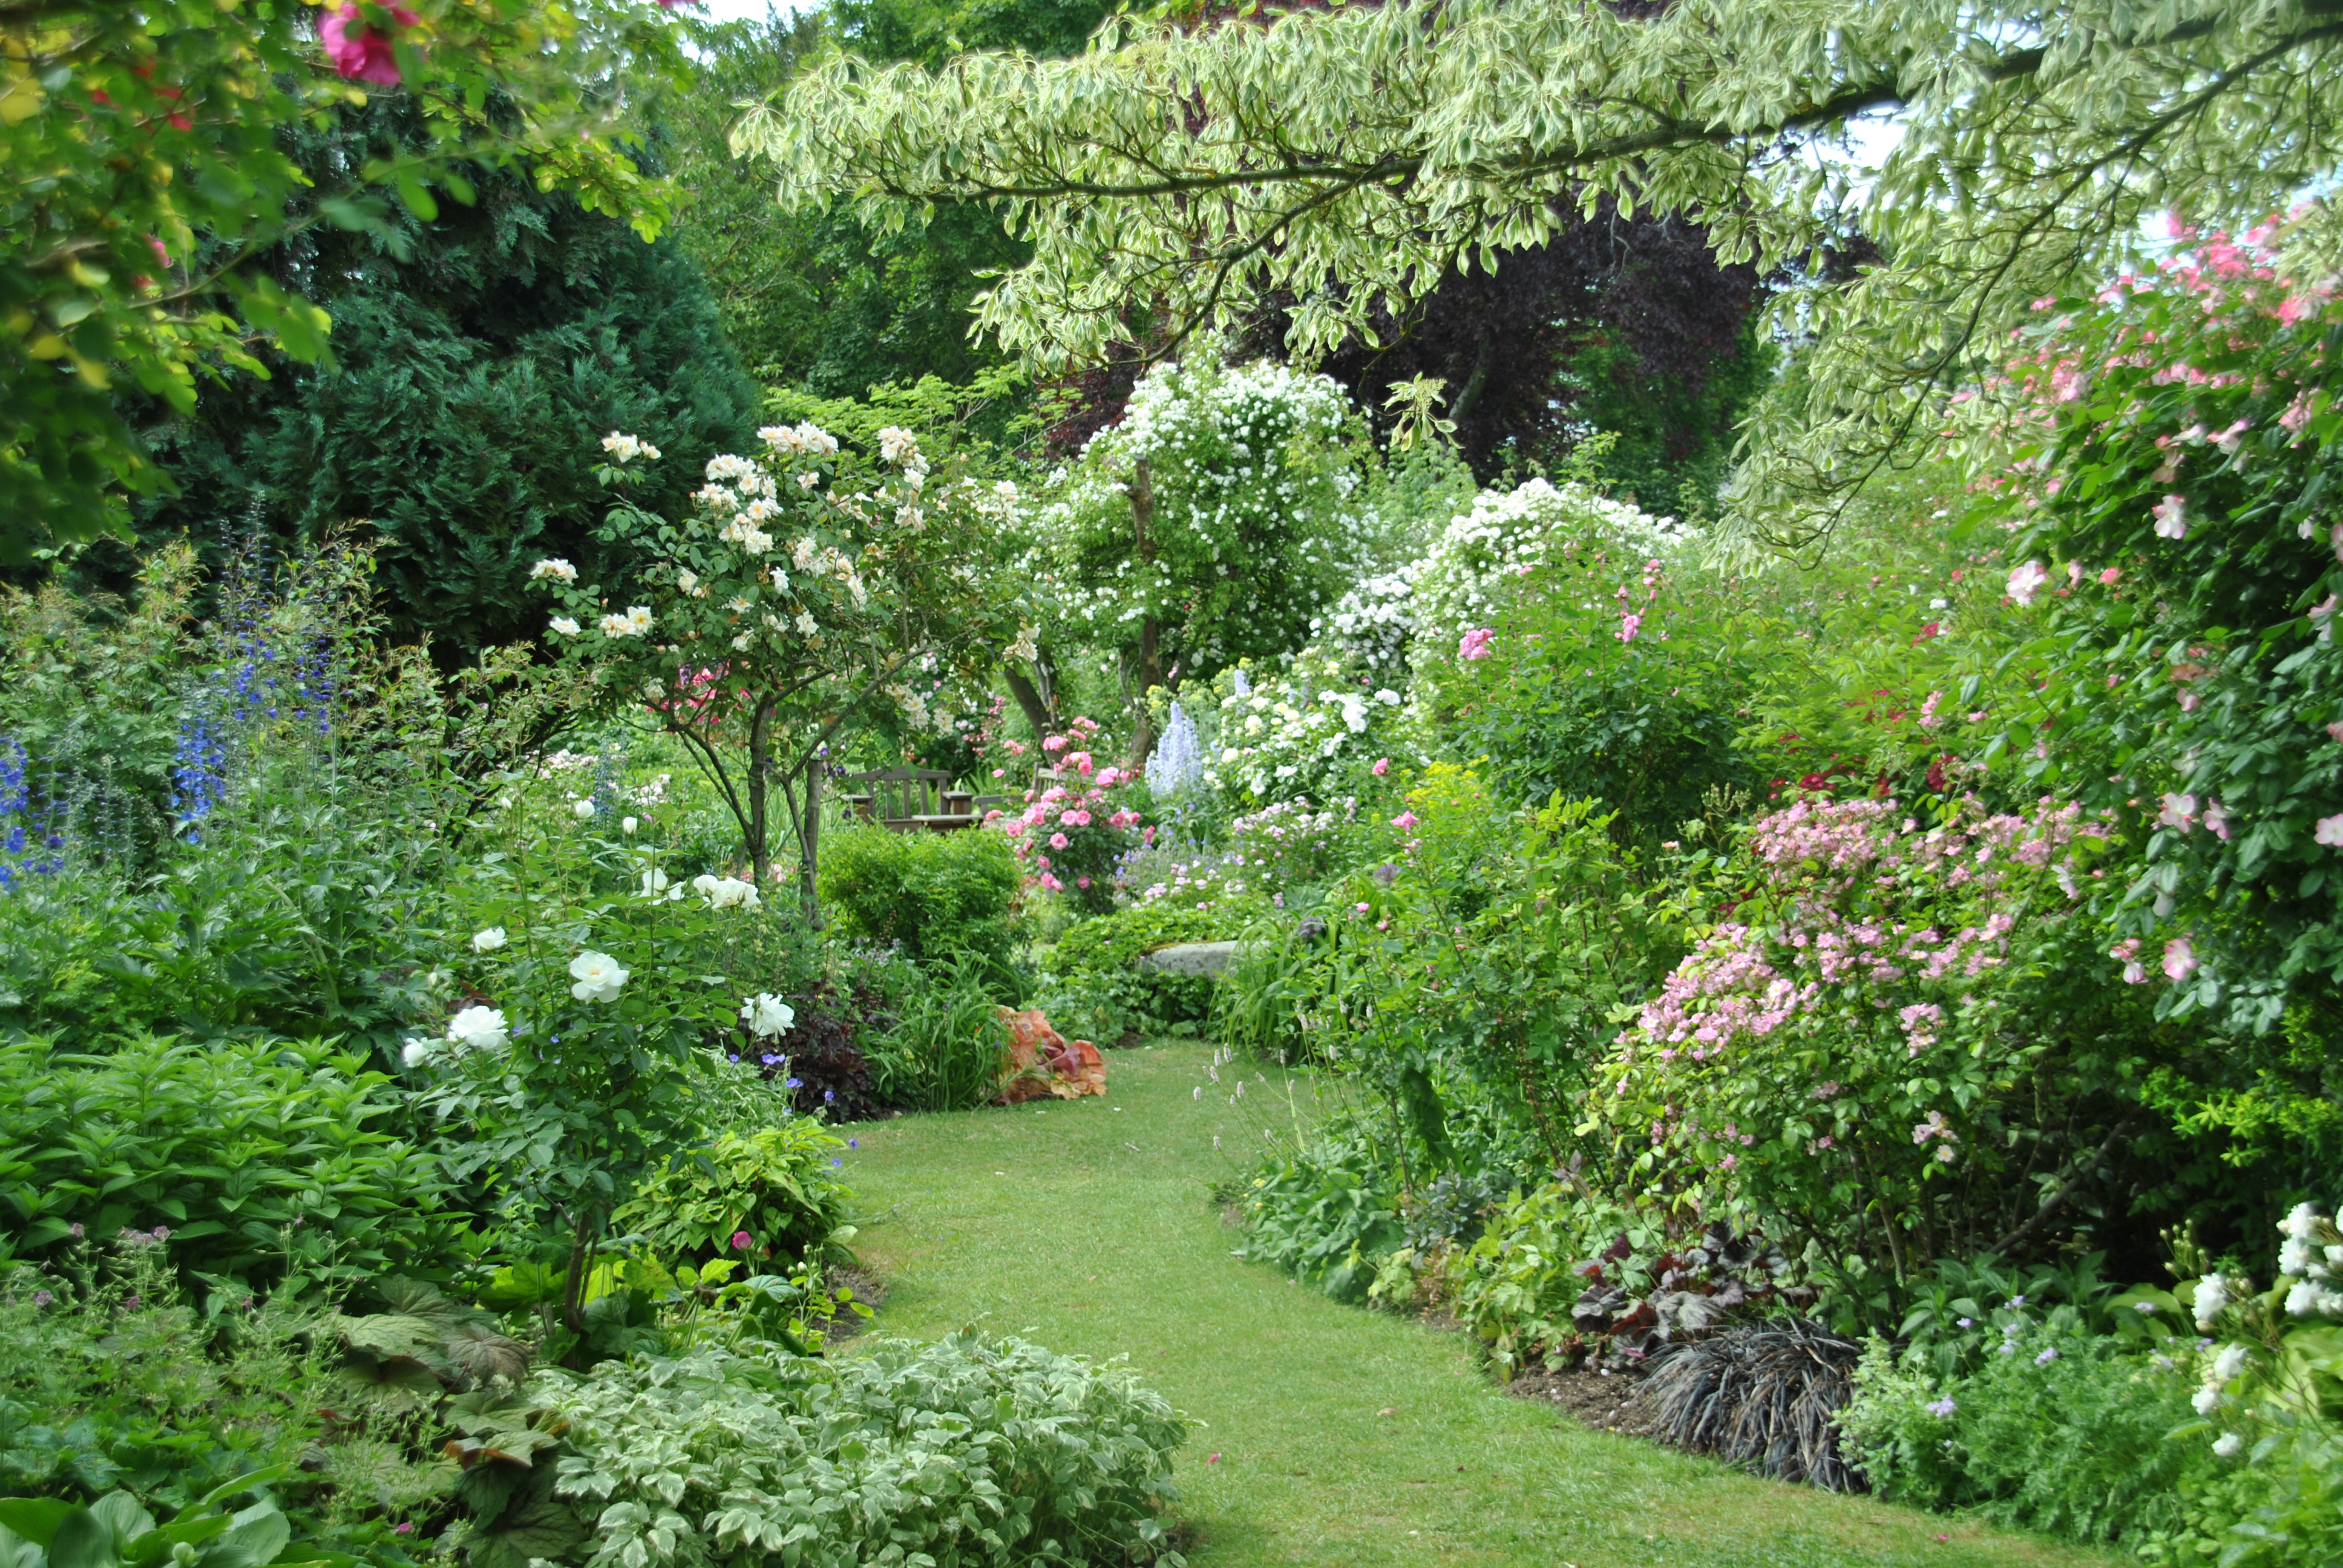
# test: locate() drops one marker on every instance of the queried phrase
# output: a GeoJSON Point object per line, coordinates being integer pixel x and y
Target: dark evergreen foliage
{"type": "Point", "coordinates": [477, 361]}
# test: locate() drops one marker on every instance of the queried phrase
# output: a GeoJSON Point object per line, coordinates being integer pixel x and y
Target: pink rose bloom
{"type": "Point", "coordinates": [2179, 959]}
{"type": "Point", "coordinates": [2111, 575]}
{"type": "Point", "coordinates": [1629, 624]}
{"type": "Point", "coordinates": [1052, 883]}
{"type": "Point", "coordinates": [2329, 829]}
{"type": "Point", "coordinates": [1404, 821]}
{"type": "Point", "coordinates": [1081, 881]}
{"type": "Point", "coordinates": [2171, 517]}
{"type": "Point", "coordinates": [2026, 581]}
{"type": "Point", "coordinates": [740, 1240]}
{"type": "Point", "coordinates": [1057, 840]}
{"type": "Point", "coordinates": [1475, 643]}
{"type": "Point", "coordinates": [359, 52]}
{"type": "Point", "coordinates": [1081, 818]}
{"type": "Point", "coordinates": [1362, 909]}
{"type": "Point", "coordinates": [1382, 764]}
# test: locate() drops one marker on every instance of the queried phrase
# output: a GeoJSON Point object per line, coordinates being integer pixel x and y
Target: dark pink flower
{"type": "Point", "coordinates": [740, 1240]}
{"type": "Point", "coordinates": [359, 52]}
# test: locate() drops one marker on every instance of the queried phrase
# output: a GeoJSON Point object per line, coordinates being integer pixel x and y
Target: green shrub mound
{"type": "Point", "coordinates": [966, 1452]}
{"type": "Point", "coordinates": [2060, 1432]}
{"type": "Point", "coordinates": [939, 894]}
{"type": "Point", "coordinates": [776, 1184]}
{"type": "Point", "coordinates": [1093, 985]}
{"type": "Point", "coordinates": [251, 1157]}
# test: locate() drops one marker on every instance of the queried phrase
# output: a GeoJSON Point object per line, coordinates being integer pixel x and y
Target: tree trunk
{"type": "Point", "coordinates": [761, 762]}
{"type": "Point", "coordinates": [1029, 701]}
{"type": "Point", "coordinates": [810, 843]}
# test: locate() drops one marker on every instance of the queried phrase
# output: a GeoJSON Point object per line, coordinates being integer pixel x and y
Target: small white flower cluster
{"type": "Point", "coordinates": [2307, 1261]}
{"type": "Point", "coordinates": [627, 449]}
{"type": "Point", "coordinates": [725, 892]}
{"type": "Point", "coordinates": [802, 441]}
{"type": "Point", "coordinates": [1278, 738]}
{"type": "Point", "coordinates": [555, 568]}
{"type": "Point", "coordinates": [1464, 577]}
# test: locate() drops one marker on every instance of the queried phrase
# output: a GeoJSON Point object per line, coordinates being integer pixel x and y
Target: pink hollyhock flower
{"type": "Point", "coordinates": [1404, 821]}
{"type": "Point", "coordinates": [1057, 840]}
{"type": "Point", "coordinates": [2330, 830]}
{"type": "Point", "coordinates": [359, 52]}
{"type": "Point", "coordinates": [1382, 764]}
{"type": "Point", "coordinates": [2026, 581]}
{"type": "Point", "coordinates": [1475, 643]}
{"type": "Point", "coordinates": [2179, 959]}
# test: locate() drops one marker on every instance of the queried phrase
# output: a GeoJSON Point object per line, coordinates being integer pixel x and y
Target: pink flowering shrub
{"type": "Point", "coordinates": [1072, 828]}
{"type": "Point", "coordinates": [2167, 454]}
{"type": "Point", "coordinates": [1852, 1053]}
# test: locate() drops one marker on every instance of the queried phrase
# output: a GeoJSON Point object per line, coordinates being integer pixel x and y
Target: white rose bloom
{"type": "Point", "coordinates": [584, 809]}
{"type": "Point", "coordinates": [727, 892]}
{"type": "Point", "coordinates": [565, 625]}
{"type": "Point", "coordinates": [768, 1016]}
{"type": "Point", "coordinates": [554, 568]}
{"type": "Point", "coordinates": [741, 643]}
{"type": "Point", "coordinates": [1227, 756]}
{"type": "Point", "coordinates": [2228, 1445]}
{"type": "Point", "coordinates": [417, 1052]}
{"type": "Point", "coordinates": [2212, 1295]}
{"type": "Point", "coordinates": [2229, 1363]}
{"type": "Point", "coordinates": [2205, 1400]}
{"type": "Point", "coordinates": [489, 940]}
{"type": "Point", "coordinates": [807, 624]}
{"type": "Point", "coordinates": [597, 975]}
{"type": "Point", "coordinates": [688, 580]}
{"type": "Point", "coordinates": [481, 1027]}
{"type": "Point", "coordinates": [614, 625]}
{"type": "Point", "coordinates": [639, 621]}
{"type": "Point", "coordinates": [2301, 1224]}
{"type": "Point", "coordinates": [654, 881]}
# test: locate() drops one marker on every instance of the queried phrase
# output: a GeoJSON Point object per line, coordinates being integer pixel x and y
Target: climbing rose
{"type": "Point", "coordinates": [359, 52]}
{"type": "Point", "coordinates": [2026, 581]}
{"type": "Point", "coordinates": [1475, 643]}
{"type": "Point", "coordinates": [2179, 959]}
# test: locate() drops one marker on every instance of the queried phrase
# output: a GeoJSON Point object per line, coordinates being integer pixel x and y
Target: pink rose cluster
{"type": "Point", "coordinates": [1053, 810]}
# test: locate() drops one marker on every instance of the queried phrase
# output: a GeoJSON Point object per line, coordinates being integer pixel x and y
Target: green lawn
{"type": "Point", "coordinates": [1343, 1436]}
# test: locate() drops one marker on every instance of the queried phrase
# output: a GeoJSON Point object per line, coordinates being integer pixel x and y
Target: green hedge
{"type": "Point", "coordinates": [940, 895]}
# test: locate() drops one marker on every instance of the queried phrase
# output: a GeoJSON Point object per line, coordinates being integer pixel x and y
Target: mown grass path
{"type": "Point", "coordinates": [1344, 1436]}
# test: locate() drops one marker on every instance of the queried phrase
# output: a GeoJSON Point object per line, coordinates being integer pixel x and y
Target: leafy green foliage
{"type": "Point", "coordinates": [774, 1185]}
{"type": "Point", "coordinates": [1092, 982]}
{"type": "Point", "coordinates": [1349, 156]}
{"type": "Point", "coordinates": [939, 895]}
{"type": "Point", "coordinates": [945, 1047]}
{"type": "Point", "coordinates": [477, 357]}
{"type": "Point", "coordinates": [117, 1531]}
{"type": "Point", "coordinates": [2055, 1430]}
{"type": "Point", "coordinates": [108, 1379]}
{"type": "Point", "coordinates": [985, 1452]}
{"type": "Point", "coordinates": [1327, 1215]}
{"type": "Point", "coordinates": [145, 168]}
{"type": "Point", "coordinates": [255, 1159]}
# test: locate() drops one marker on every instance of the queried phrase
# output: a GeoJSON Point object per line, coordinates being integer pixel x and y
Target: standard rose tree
{"type": "Point", "coordinates": [806, 590]}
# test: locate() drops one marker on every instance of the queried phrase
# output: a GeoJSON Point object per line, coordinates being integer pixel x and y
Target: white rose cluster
{"type": "Point", "coordinates": [555, 568]}
{"type": "Point", "coordinates": [635, 622]}
{"type": "Point", "coordinates": [626, 448]}
{"type": "Point", "coordinates": [802, 441]}
{"type": "Point", "coordinates": [1278, 738]}
{"type": "Point", "coordinates": [725, 892]}
{"type": "Point", "coordinates": [2307, 1263]}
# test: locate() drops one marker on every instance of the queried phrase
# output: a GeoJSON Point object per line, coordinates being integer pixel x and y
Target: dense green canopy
{"type": "Point", "coordinates": [1346, 158]}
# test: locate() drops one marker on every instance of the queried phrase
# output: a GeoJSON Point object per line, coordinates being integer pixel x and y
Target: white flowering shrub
{"type": "Point", "coordinates": [1301, 730]}
{"type": "Point", "coordinates": [1421, 610]}
{"type": "Point", "coordinates": [1255, 521]}
{"type": "Point", "coordinates": [806, 588]}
